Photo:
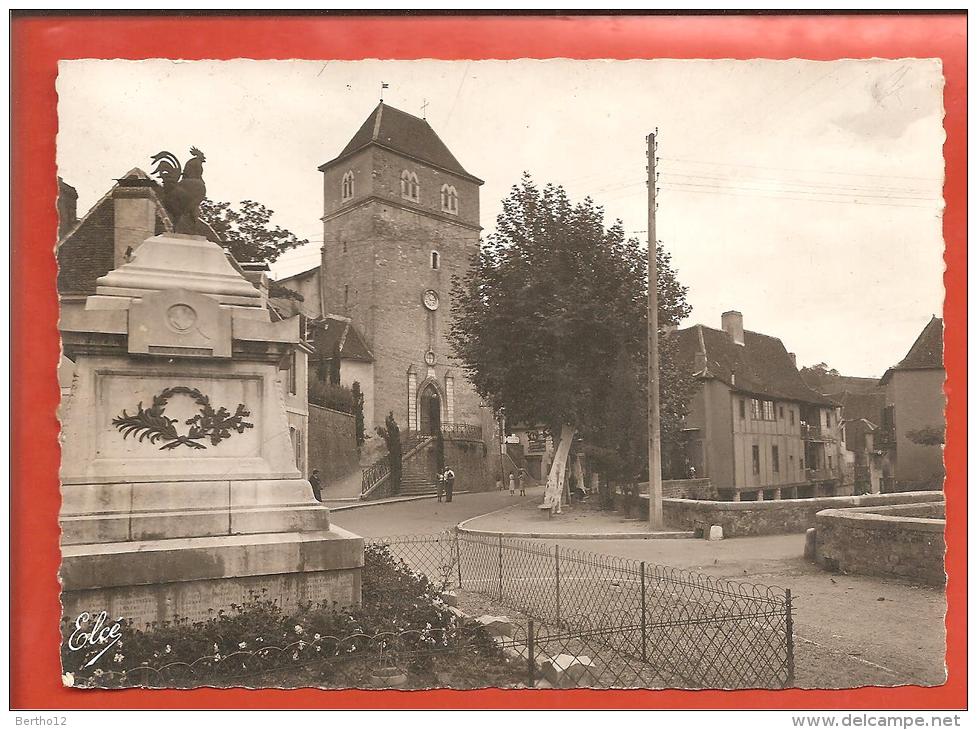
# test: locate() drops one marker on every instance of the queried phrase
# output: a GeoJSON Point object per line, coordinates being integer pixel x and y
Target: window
{"type": "Point", "coordinates": [830, 465]}
{"type": "Point", "coordinates": [791, 411]}
{"type": "Point", "coordinates": [346, 294]}
{"type": "Point", "coordinates": [781, 413]}
{"type": "Point", "coordinates": [756, 459]}
{"type": "Point", "coordinates": [348, 185]}
{"type": "Point", "coordinates": [292, 374]}
{"type": "Point", "coordinates": [449, 199]}
{"type": "Point", "coordinates": [742, 407]}
{"type": "Point", "coordinates": [345, 248]}
{"type": "Point", "coordinates": [435, 260]}
{"type": "Point", "coordinates": [762, 410]}
{"type": "Point", "coordinates": [775, 459]}
{"type": "Point", "coordinates": [409, 186]}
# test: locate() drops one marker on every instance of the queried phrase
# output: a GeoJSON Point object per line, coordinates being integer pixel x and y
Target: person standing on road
{"type": "Point", "coordinates": [449, 483]}
{"type": "Point", "coordinates": [316, 483]}
{"type": "Point", "coordinates": [512, 483]}
{"type": "Point", "coordinates": [522, 482]}
{"type": "Point", "coordinates": [440, 485]}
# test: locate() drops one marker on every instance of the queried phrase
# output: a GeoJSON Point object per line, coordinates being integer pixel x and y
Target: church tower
{"type": "Point", "coordinates": [400, 219]}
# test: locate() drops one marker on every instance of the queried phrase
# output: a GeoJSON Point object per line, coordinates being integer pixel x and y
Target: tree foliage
{"type": "Point", "coordinates": [390, 433]}
{"type": "Point", "coordinates": [928, 436]}
{"type": "Point", "coordinates": [358, 413]}
{"type": "Point", "coordinates": [331, 395]}
{"type": "Point", "coordinates": [246, 231]}
{"type": "Point", "coordinates": [551, 323]}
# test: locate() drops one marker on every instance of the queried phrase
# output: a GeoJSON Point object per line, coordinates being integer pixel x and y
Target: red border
{"type": "Point", "coordinates": [37, 43]}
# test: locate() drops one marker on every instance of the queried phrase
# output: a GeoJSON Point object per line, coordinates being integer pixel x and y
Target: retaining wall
{"type": "Point", "coordinates": [332, 444]}
{"type": "Point", "coordinates": [471, 462]}
{"type": "Point", "coordinates": [905, 541]}
{"type": "Point", "coordinates": [775, 517]}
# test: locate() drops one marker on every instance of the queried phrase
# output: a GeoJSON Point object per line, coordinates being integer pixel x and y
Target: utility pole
{"type": "Point", "coordinates": [655, 518]}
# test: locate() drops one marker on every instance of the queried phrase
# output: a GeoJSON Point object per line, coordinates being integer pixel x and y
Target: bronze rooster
{"type": "Point", "coordinates": [182, 195]}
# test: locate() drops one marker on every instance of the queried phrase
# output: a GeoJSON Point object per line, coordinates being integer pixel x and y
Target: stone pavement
{"type": "Point", "coordinates": [577, 521]}
{"type": "Point", "coordinates": [420, 517]}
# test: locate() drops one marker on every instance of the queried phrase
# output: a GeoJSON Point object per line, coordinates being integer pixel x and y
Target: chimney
{"type": "Point", "coordinates": [135, 216]}
{"type": "Point", "coordinates": [793, 359]}
{"type": "Point", "coordinates": [733, 326]}
{"type": "Point", "coordinates": [67, 208]}
{"type": "Point", "coordinates": [700, 362]}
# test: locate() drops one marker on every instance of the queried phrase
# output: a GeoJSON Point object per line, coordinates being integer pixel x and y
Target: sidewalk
{"type": "Point", "coordinates": [580, 521]}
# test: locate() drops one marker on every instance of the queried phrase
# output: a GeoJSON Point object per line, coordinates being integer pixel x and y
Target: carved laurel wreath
{"type": "Point", "coordinates": [151, 424]}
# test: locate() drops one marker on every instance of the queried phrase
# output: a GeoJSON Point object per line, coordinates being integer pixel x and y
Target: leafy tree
{"type": "Point", "coordinates": [928, 436]}
{"type": "Point", "coordinates": [390, 433]}
{"type": "Point", "coordinates": [819, 377]}
{"type": "Point", "coordinates": [554, 301]}
{"type": "Point", "coordinates": [246, 231]}
{"type": "Point", "coordinates": [358, 413]}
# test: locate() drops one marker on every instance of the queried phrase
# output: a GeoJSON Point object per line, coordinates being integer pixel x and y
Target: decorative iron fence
{"type": "Point", "coordinates": [618, 622]}
{"type": "Point", "coordinates": [374, 474]}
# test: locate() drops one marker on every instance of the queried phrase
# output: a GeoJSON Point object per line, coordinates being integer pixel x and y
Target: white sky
{"type": "Point", "coordinates": [805, 194]}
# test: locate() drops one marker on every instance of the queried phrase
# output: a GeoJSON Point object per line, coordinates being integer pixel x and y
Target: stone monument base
{"type": "Point", "coordinates": [162, 580]}
{"type": "Point", "coordinates": [158, 551]}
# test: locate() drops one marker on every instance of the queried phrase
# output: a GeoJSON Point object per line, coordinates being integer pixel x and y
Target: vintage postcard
{"type": "Point", "coordinates": [356, 372]}
{"type": "Point", "coordinates": [475, 366]}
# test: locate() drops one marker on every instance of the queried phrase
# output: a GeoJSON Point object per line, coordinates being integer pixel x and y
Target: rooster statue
{"type": "Point", "coordinates": [182, 195]}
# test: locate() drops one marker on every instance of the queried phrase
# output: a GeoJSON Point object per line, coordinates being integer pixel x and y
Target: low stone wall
{"type": "Point", "coordinates": [332, 443]}
{"type": "Point", "coordinates": [905, 541]}
{"type": "Point", "coordinates": [776, 517]}
{"type": "Point", "coordinates": [685, 489]}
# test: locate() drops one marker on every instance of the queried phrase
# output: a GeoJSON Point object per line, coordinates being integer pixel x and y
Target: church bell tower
{"type": "Point", "coordinates": [400, 219]}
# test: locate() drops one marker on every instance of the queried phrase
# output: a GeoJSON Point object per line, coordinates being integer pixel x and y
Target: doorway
{"type": "Point", "coordinates": [430, 407]}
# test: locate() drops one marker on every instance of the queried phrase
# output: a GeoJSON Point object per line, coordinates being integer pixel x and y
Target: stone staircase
{"type": "Point", "coordinates": [417, 479]}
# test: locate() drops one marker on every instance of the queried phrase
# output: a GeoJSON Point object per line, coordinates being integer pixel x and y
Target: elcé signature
{"type": "Point", "coordinates": [94, 631]}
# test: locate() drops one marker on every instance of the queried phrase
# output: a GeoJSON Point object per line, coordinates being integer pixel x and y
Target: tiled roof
{"type": "Point", "coordinates": [404, 133]}
{"type": "Point", "coordinates": [855, 406]}
{"type": "Point", "coordinates": [337, 334]}
{"type": "Point", "coordinates": [760, 366]}
{"type": "Point", "coordinates": [926, 352]}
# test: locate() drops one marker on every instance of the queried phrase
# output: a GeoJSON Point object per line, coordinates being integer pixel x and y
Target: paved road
{"type": "Point", "coordinates": [423, 516]}
{"type": "Point", "coordinates": [850, 630]}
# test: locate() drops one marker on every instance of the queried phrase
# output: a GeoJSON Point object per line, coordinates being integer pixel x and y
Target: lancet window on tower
{"type": "Point", "coordinates": [409, 186]}
{"type": "Point", "coordinates": [348, 188]}
{"type": "Point", "coordinates": [449, 199]}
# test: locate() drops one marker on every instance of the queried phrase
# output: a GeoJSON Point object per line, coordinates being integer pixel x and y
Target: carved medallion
{"type": "Point", "coordinates": [153, 425]}
{"type": "Point", "coordinates": [181, 317]}
{"type": "Point", "coordinates": [429, 357]}
{"type": "Point", "coordinates": [431, 300]}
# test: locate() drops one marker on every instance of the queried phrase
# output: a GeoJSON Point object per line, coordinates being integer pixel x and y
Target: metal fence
{"type": "Point", "coordinates": [617, 622]}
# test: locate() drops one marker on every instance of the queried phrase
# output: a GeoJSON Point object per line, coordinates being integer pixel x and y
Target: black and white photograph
{"type": "Point", "coordinates": [536, 374]}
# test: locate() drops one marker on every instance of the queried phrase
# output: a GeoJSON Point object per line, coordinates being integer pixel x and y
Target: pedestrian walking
{"type": "Point", "coordinates": [512, 483]}
{"type": "Point", "coordinates": [316, 483]}
{"type": "Point", "coordinates": [449, 484]}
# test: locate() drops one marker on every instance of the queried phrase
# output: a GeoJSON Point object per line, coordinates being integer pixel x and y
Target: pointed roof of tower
{"type": "Point", "coordinates": [405, 134]}
{"type": "Point", "coordinates": [926, 352]}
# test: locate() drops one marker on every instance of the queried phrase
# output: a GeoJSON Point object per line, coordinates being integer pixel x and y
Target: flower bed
{"type": "Point", "coordinates": [403, 635]}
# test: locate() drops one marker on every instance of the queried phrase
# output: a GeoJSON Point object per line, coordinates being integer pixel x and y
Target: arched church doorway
{"type": "Point", "coordinates": [430, 410]}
